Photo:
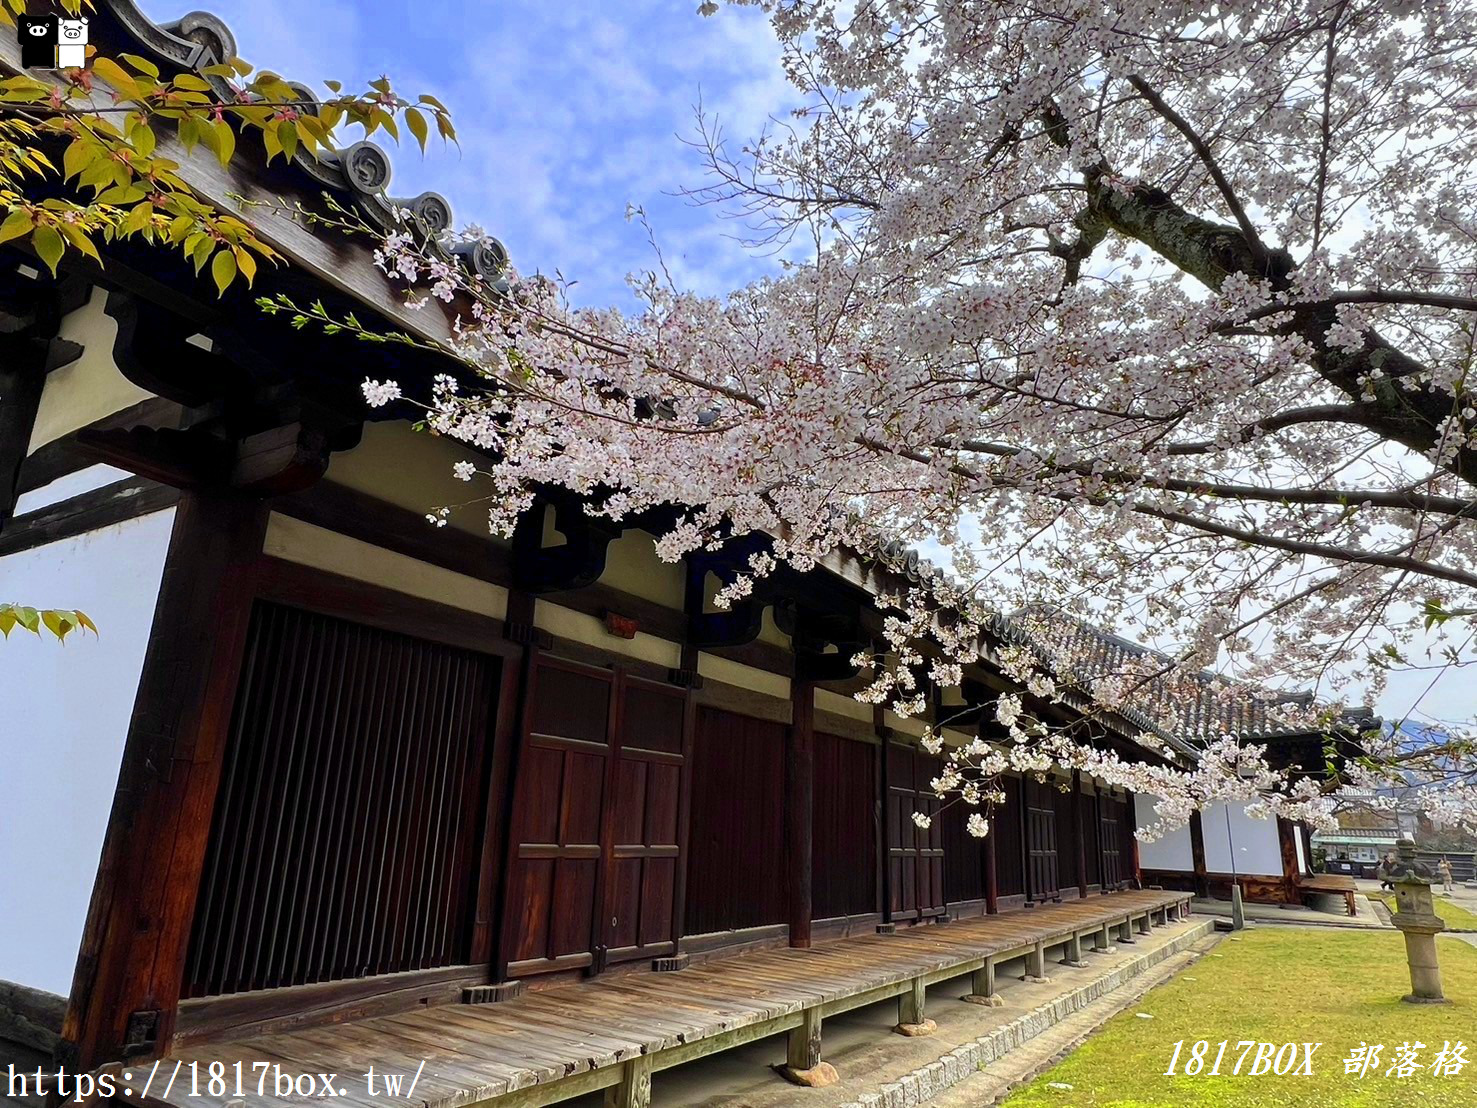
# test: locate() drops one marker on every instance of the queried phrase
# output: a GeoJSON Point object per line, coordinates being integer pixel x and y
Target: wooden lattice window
{"type": "Point", "coordinates": [344, 841]}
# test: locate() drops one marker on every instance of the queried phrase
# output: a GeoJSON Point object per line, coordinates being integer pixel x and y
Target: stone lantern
{"type": "Point", "coordinates": [1415, 915]}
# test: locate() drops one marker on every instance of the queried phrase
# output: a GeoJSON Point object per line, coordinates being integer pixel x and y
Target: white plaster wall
{"type": "Point", "coordinates": [413, 469]}
{"type": "Point", "coordinates": [68, 486]}
{"type": "Point", "coordinates": [632, 565]}
{"type": "Point", "coordinates": [1255, 840]}
{"type": "Point", "coordinates": [91, 387]}
{"type": "Point", "coordinates": [1172, 851]}
{"type": "Point", "coordinates": [66, 711]}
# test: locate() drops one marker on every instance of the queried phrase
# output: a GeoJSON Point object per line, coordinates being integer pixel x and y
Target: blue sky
{"type": "Point", "coordinates": [567, 112]}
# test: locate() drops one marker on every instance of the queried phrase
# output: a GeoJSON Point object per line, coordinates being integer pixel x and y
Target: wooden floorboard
{"type": "Point", "coordinates": [522, 1049]}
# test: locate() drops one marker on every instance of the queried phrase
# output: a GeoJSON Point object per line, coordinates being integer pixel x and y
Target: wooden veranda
{"type": "Point", "coordinates": [613, 1032]}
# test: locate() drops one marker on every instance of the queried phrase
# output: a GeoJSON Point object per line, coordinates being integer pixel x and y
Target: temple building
{"type": "Point", "coordinates": [330, 779]}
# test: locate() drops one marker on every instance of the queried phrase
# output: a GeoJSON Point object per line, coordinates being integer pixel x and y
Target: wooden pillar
{"type": "Point", "coordinates": [130, 969]}
{"type": "Point", "coordinates": [803, 1050]}
{"type": "Point", "coordinates": [912, 1017]}
{"type": "Point", "coordinates": [1036, 964]}
{"type": "Point", "coordinates": [1197, 854]}
{"type": "Point", "coordinates": [1023, 822]}
{"type": "Point", "coordinates": [992, 874]}
{"type": "Point", "coordinates": [1290, 874]}
{"type": "Point", "coordinates": [1102, 942]}
{"type": "Point", "coordinates": [799, 808]}
{"type": "Point", "coordinates": [518, 628]}
{"type": "Point", "coordinates": [982, 985]}
{"type": "Point", "coordinates": [884, 821]}
{"type": "Point", "coordinates": [1133, 840]}
{"type": "Point", "coordinates": [633, 1089]}
{"type": "Point", "coordinates": [1073, 954]}
{"type": "Point", "coordinates": [1077, 801]}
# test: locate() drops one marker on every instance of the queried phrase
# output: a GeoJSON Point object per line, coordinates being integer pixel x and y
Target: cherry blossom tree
{"type": "Point", "coordinates": [1151, 315]}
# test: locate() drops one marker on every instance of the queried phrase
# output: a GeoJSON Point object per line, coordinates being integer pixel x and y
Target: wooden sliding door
{"type": "Point", "coordinates": [1042, 878]}
{"type": "Point", "coordinates": [915, 854]}
{"type": "Point", "coordinates": [644, 848]}
{"type": "Point", "coordinates": [595, 848]}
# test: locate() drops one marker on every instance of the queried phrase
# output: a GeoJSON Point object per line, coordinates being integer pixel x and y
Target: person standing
{"type": "Point", "coordinates": [1443, 867]}
{"type": "Point", "coordinates": [1385, 871]}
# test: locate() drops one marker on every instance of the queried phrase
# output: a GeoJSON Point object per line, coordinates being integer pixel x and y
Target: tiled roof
{"type": "Point", "coordinates": [1164, 699]}
{"type": "Point", "coordinates": [358, 176]}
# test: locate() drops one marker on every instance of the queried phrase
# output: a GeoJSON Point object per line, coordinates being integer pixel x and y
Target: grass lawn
{"type": "Point", "coordinates": [1452, 915]}
{"type": "Point", "coordinates": [1279, 984]}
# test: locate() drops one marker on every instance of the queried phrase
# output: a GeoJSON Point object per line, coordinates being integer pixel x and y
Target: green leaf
{"type": "Point", "coordinates": [189, 132]}
{"type": "Point", "coordinates": [418, 127]}
{"type": "Point", "coordinates": [385, 120]}
{"type": "Point", "coordinates": [16, 224]}
{"type": "Point", "coordinates": [78, 238]}
{"type": "Point", "coordinates": [225, 138]}
{"type": "Point", "coordinates": [287, 136]}
{"type": "Point", "coordinates": [76, 157]}
{"type": "Point", "coordinates": [49, 245]}
{"type": "Point", "coordinates": [143, 139]}
{"type": "Point", "coordinates": [191, 82]}
{"type": "Point", "coordinates": [246, 264]}
{"type": "Point", "coordinates": [83, 621]}
{"type": "Point", "coordinates": [116, 76]}
{"type": "Point", "coordinates": [56, 623]}
{"type": "Point", "coordinates": [121, 194]}
{"type": "Point", "coordinates": [143, 65]}
{"type": "Point", "coordinates": [334, 86]}
{"type": "Point", "coordinates": [223, 270]}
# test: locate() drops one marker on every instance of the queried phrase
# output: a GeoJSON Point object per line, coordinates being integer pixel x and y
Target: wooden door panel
{"type": "Point", "coordinates": [658, 887]}
{"type": "Point", "coordinates": [573, 906]}
{"type": "Point", "coordinates": [628, 819]}
{"type": "Point", "coordinates": [558, 819]}
{"type": "Point", "coordinates": [642, 834]}
{"type": "Point", "coordinates": [529, 893]}
{"type": "Point", "coordinates": [736, 844]}
{"type": "Point", "coordinates": [916, 854]}
{"type": "Point", "coordinates": [663, 797]}
{"type": "Point", "coordinates": [1041, 842]}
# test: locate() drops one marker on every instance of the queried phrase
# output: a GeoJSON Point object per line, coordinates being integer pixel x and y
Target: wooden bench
{"type": "Point", "coordinates": [613, 1032]}
{"type": "Point", "coordinates": [1332, 884]}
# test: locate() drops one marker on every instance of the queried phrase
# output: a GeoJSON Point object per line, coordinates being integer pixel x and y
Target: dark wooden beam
{"type": "Point", "coordinates": [1197, 853]}
{"type": "Point", "coordinates": [800, 807]}
{"type": "Point", "coordinates": [1078, 797]}
{"type": "Point", "coordinates": [126, 499]}
{"type": "Point", "coordinates": [742, 621]}
{"type": "Point", "coordinates": [884, 817]}
{"type": "Point", "coordinates": [31, 311]}
{"type": "Point", "coordinates": [126, 989]}
{"type": "Point", "coordinates": [992, 872]}
{"type": "Point", "coordinates": [22, 377]}
{"type": "Point", "coordinates": [1287, 842]}
{"type": "Point", "coordinates": [1131, 814]}
{"type": "Point", "coordinates": [577, 563]}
